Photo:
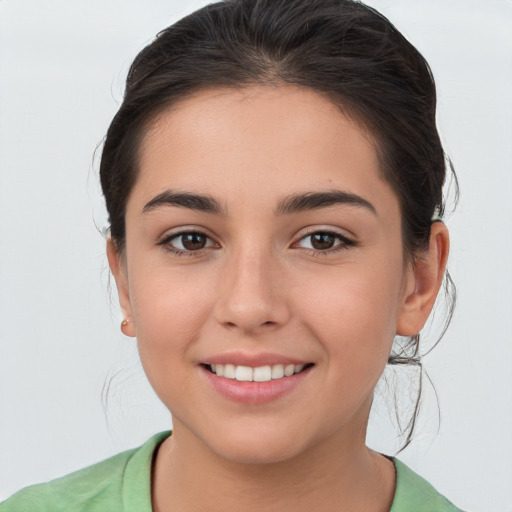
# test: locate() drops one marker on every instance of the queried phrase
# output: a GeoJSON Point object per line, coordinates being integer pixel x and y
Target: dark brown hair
{"type": "Point", "coordinates": [342, 49]}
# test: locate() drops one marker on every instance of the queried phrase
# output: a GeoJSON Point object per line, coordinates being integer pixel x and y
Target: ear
{"type": "Point", "coordinates": [118, 269]}
{"type": "Point", "coordinates": [423, 280]}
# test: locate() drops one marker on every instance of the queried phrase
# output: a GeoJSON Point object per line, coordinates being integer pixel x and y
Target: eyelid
{"type": "Point", "coordinates": [345, 241]}
{"type": "Point", "coordinates": [311, 230]}
{"type": "Point", "coordinates": [166, 239]}
{"type": "Point", "coordinates": [184, 229]}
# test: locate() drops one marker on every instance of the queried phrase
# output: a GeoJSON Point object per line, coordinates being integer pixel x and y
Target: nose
{"type": "Point", "coordinates": [251, 294]}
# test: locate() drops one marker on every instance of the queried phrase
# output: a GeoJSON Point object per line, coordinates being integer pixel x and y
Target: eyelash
{"type": "Point", "coordinates": [166, 243]}
{"type": "Point", "coordinates": [344, 244]}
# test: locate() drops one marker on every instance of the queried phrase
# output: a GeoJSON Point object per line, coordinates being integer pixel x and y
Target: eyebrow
{"type": "Point", "coordinates": [316, 200]}
{"type": "Point", "coordinates": [198, 202]}
{"type": "Point", "coordinates": [291, 204]}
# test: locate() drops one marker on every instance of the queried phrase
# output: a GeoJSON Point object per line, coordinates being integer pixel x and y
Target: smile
{"type": "Point", "coordinates": [257, 374]}
{"type": "Point", "coordinates": [255, 382]}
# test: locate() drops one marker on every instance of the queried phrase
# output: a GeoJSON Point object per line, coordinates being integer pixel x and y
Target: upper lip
{"type": "Point", "coordinates": [253, 360]}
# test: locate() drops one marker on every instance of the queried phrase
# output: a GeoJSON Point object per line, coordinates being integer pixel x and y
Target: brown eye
{"type": "Point", "coordinates": [193, 241]}
{"type": "Point", "coordinates": [187, 242]}
{"type": "Point", "coordinates": [326, 242]}
{"type": "Point", "coordinates": [322, 241]}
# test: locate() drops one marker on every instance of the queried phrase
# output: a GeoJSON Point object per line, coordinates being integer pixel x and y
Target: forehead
{"type": "Point", "coordinates": [265, 138]}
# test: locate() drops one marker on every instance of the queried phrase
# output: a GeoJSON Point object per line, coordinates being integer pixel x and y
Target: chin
{"type": "Point", "coordinates": [258, 446]}
{"type": "Point", "coordinates": [259, 453]}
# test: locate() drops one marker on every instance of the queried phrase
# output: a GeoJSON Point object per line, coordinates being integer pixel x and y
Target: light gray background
{"type": "Point", "coordinates": [62, 66]}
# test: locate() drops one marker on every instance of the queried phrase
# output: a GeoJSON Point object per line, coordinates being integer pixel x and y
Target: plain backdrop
{"type": "Point", "coordinates": [62, 66]}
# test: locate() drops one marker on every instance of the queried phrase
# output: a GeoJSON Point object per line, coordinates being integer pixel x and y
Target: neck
{"type": "Point", "coordinates": [338, 474]}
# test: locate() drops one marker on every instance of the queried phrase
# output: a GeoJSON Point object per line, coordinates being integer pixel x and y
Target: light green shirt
{"type": "Point", "coordinates": [122, 484]}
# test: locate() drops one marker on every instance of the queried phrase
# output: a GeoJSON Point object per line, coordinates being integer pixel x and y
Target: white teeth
{"type": "Point", "coordinates": [262, 374]}
{"type": "Point", "coordinates": [258, 374]}
{"type": "Point", "coordinates": [288, 370]}
{"type": "Point", "coordinates": [242, 373]}
{"type": "Point", "coordinates": [277, 371]}
{"type": "Point", "coordinates": [229, 371]}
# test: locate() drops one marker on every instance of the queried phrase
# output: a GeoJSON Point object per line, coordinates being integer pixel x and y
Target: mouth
{"type": "Point", "coordinates": [265, 373]}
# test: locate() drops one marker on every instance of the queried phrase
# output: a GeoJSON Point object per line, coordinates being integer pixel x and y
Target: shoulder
{"type": "Point", "coordinates": [107, 485]}
{"type": "Point", "coordinates": [76, 491]}
{"type": "Point", "coordinates": [414, 493]}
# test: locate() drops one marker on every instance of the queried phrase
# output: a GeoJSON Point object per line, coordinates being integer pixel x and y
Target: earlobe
{"type": "Point", "coordinates": [425, 278]}
{"type": "Point", "coordinates": [118, 270]}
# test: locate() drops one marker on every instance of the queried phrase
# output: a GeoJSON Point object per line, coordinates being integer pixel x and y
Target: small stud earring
{"type": "Point", "coordinates": [124, 323]}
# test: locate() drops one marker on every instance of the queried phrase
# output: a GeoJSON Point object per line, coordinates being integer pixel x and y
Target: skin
{"type": "Point", "coordinates": [261, 285]}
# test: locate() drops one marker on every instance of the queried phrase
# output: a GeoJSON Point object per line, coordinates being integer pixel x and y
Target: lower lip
{"type": "Point", "coordinates": [255, 392]}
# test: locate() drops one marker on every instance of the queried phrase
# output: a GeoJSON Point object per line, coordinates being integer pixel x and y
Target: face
{"type": "Point", "coordinates": [263, 273]}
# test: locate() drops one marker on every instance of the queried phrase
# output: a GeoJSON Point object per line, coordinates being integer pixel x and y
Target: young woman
{"type": "Point", "coordinates": [274, 185]}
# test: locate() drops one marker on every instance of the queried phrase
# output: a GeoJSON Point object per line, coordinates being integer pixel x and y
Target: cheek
{"type": "Point", "coordinates": [169, 310]}
{"type": "Point", "coordinates": [356, 328]}
{"type": "Point", "coordinates": [354, 313]}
